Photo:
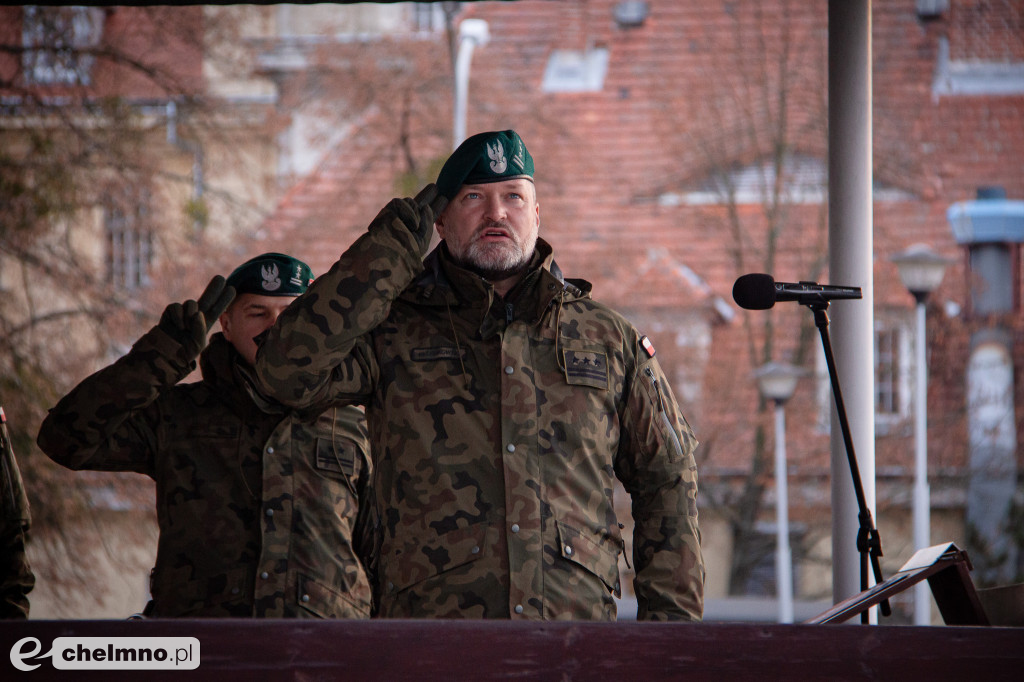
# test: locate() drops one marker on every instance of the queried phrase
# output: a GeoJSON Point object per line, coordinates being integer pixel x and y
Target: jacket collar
{"type": "Point", "coordinates": [232, 378]}
{"type": "Point", "coordinates": [445, 283]}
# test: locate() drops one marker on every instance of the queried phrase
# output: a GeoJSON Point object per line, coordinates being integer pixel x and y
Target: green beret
{"type": "Point", "coordinates": [485, 157]}
{"type": "Point", "coordinates": [272, 274]}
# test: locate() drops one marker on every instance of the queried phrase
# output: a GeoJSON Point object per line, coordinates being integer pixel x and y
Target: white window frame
{"type": "Point", "coordinates": [576, 70]}
{"type": "Point", "coordinates": [898, 383]}
{"type": "Point", "coordinates": [427, 17]}
{"type": "Point", "coordinates": [58, 44]}
{"type": "Point", "coordinates": [129, 246]}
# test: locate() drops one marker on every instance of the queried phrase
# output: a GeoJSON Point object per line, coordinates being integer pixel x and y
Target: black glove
{"type": "Point", "coordinates": [417, 215]}
{"type": "Point", "coordinates": [189, 323]}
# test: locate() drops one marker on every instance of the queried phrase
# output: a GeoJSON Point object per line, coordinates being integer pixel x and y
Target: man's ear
{"type": "Point", "coordinates": [225, 324]}
{"type": "Point", "coordinates": [439, 225]}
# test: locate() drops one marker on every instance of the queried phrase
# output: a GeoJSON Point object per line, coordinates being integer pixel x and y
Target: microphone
{"type": "Point", "coordinates": [757, 291]}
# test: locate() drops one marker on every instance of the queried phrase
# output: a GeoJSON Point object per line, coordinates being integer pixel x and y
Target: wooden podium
{"type": "Point", "coordinates": [242, 650]}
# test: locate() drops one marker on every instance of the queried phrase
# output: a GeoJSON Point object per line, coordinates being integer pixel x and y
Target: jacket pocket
{"type": "Point", "coordinates": [597, 552]}
{"type": "Point", "coordinates": [225, 594]}
{"type": "Point", "coordinates": [415, 562]}
{"type": "Point", "coordinates": [325, 602]}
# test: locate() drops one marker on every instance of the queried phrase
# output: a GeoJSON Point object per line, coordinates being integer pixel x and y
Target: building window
{"type": "Point", "coordinates": [888, 390]}
{"type": "Point", "coordinates": [59, 44]}
{"type": "Point", "coordinates": [762, 579]}
{"type": "Point", "coordinates": [429, 17]}
{"type": "Point", "coordinates": [576, 71]}
{"type": "Point", "coordinates": [984, 51]}
{"type": "Point", "coordinates": [893, 372]}
{"type": "Point", "coordinates": [129, 247]}
{"type": "Point", "coordinates": [893, 369]}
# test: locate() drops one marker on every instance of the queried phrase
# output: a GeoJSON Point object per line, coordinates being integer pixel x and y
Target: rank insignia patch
{"type": "Point", "coordinates": [586, 368]}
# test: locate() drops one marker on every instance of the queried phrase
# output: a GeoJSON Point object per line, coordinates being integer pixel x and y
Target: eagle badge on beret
{"type": "Point", "coordinates": [497, 155]}
{"type": "Point", "coordinates": [270, 274]}
{"type": "Point", "coordinates": [271, 277]}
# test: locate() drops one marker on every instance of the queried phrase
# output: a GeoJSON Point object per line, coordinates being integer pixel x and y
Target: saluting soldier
{"type": "Point", "coordinates": [502, 401]}
{"type": "Point", "coordinates": [256, 502]}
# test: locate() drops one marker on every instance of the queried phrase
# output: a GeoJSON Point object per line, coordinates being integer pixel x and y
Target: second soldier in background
{"type": "Point", "coordinates": [256, 502]}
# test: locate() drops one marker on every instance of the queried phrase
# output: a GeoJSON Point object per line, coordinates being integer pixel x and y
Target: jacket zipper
{"type": "Point", "coordinates": [664, 412]}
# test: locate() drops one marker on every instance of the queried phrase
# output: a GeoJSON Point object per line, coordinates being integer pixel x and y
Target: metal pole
{"type": "Point", "coordinates": [850, 264]}
{"type": "Point", "coordinates": [922, 505]}
{"type": "Point", "coordinates": [472, 32]}
{"type": "Point", "coordinates": [783, 556]}
{"type": "Point", "coordinates": [462, 61]}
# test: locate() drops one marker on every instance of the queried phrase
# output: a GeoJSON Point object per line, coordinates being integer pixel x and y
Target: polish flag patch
{"type": "Point", "coordinates": [648, 346]}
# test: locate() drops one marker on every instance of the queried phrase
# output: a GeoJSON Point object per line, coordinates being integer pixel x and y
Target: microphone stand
{"type": "Point", "coordinates": [869, 543]}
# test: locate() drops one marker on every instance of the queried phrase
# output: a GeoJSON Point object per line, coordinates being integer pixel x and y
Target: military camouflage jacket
{"type": "Point", "coordinates": [256, 503]}
{"type": "Point", "coordinates": [497, 427]}
{"type": "Point", "coordinates": [16, 577]}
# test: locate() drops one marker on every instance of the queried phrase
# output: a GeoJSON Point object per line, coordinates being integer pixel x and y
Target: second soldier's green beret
{"type": "Point", "coordinates": [271, 274]}
{"type": "Point", "coordinates": [485, 157]}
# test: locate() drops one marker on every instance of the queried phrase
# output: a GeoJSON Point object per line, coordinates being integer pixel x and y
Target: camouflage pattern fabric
{"type": "Point", "coordinates": [256, 503]}
{"type": "Point", "coordinates": [497, 428]}
{"type": "Point", "coordinates": [16, 577]}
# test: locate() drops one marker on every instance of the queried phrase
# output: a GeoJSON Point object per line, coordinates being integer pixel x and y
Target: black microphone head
{"type": "Point", "coordinates": [755, 291]}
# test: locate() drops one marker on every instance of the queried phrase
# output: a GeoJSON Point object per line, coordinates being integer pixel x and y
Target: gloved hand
{"type": "Point", "coordinates": [189, 323]}
{"type": "Point", "coordinates": [417, 214]}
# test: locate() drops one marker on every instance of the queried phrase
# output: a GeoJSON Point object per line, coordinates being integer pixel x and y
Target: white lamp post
{"type": "Point", "coordinates": [472, 32]}
{"type": "Point", "coordinates": [776, 382]}
{"type": "Point", "coordinates": [921, 271]}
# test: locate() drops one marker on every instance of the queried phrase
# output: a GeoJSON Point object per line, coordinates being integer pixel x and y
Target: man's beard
{"type": "Point", "coordinates": [493, 262]}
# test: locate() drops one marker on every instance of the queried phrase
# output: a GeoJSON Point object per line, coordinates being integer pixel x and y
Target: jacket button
{"type": "Point", "coordinates": [270, 512]}
{"type": "Point", "coordinates": [519, 608]}
{"type": "Point", "coordinates": [475, 550]}
{"type": "Point", "coordinates": [270, 449]}
{"type": "Point", "coordinates": [510, 447]}
{"type": "Point", "coordinates": [509, 369]}
{"type": "Point", "coordinates": [305, 598]}
{"type": "Point", "coordinates": [515, 527]}
{"type": "Point", "coordinates": [264, 575]}
{"type": "Point", "coordinates": [568, 550]}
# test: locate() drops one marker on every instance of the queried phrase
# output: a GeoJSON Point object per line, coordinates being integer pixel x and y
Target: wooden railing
{"type": "Point", "coordinates": [501, 650]}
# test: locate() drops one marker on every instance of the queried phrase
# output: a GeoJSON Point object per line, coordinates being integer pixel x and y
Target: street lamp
{"type": "Point", "coordinates": [776, 382]}
{"type": "Point", "coordinates": [921, 271]}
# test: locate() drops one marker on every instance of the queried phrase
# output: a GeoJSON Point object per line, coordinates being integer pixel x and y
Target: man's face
{"type": "Point", "coordinates": [248, 316]}
{"type": "Point", "coordinates": [492, 228]}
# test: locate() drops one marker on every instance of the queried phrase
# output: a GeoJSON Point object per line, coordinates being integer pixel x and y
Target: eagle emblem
{"type": "Point", "coordinates": [271, 277]}
{"type": "Point", "coordinates": [499, 162]}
